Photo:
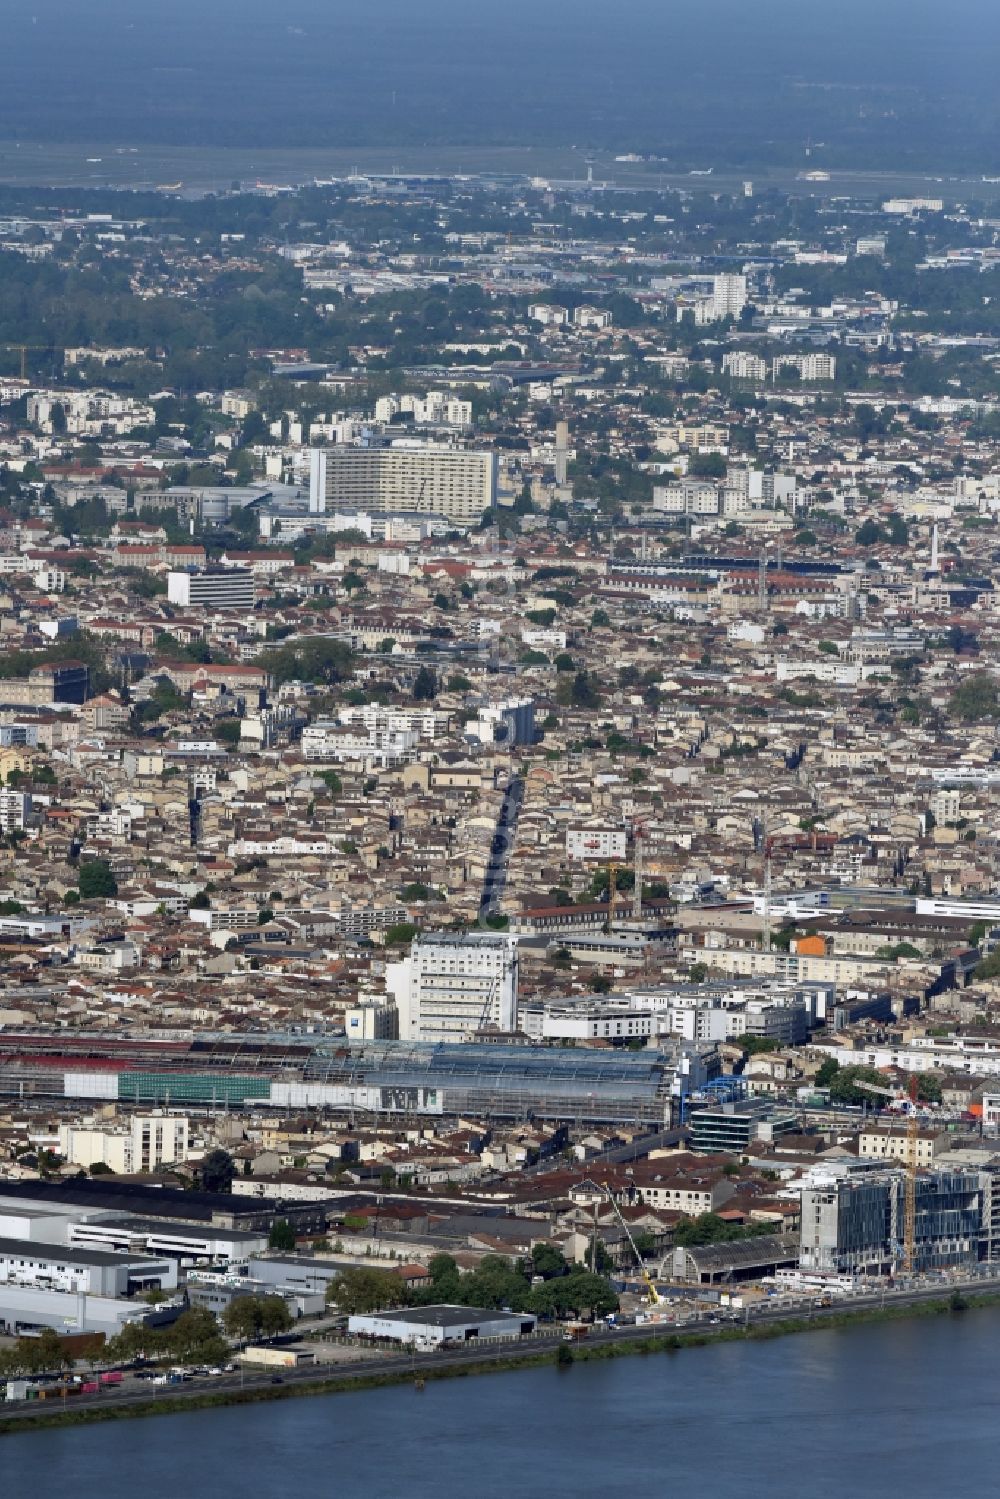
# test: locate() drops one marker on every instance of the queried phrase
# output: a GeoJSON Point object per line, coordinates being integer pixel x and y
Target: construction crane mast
{"type": "Point", "coordinates": [25, 349]}
{"type": "Point", "coordinates": [910, 1195]}
{"type": "Point", "coordinates": [765, 838]}
{"type": "Point", "coordinates": [910, 1203]}
{"type": "Point", "coordinates": [612, 882]}
{"type": "Point", "coordinates": [638, 838]}
{"type": "Point", "coordinates": [598, 1191]}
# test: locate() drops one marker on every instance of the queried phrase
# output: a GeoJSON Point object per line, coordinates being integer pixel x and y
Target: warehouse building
{"type": "Point", "coordinates": [66, 1267]}
{"type": "Point", "coordinates": [440, 1326]}
{"type": "Point", "coordinates": [742, 1259]}
{"type": "Point", "coordinates": [28, 1309]}
{"type": "Point", "coordinates": [110, 1195]}
{"type": "Point", "coordinates": [187, 1243]}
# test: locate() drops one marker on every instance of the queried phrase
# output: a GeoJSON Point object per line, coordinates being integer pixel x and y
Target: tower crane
{"type": "Point", "coordinates": [597, 1191]}
{"type": "Point", "coordinates": [639, 829]}
{"type": "Point", "coordinates": [612, 882]}
{"type": "Point", "coordinates": [910, 1209]}
{"type": "Point", "coordinates": [25, 349]}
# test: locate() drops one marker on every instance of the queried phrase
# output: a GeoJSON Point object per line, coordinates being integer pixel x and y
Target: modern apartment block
{"type": "Point", "coordinates": [143, 1143]}
{"type": "Point", "coordinates": [687, 497]}
{"type": "Point", "coordinates": [853, 1221]}
{"type": "Point", "coordinates": [212, 588]}
{"type": "Point", "coordinates": [431, 478]}
{"type": "Point", "coordinates": [450, 987]}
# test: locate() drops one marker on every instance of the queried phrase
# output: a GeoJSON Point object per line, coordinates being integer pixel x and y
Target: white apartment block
{"type": "Point", "coordinates": [435, 409]}
{"type": "Point", "coordinates": [976, 1056]}
{"type": "Point", "coordinates": [729, 295]}
{"type": "Point", "coordinates": [378, 744]}
{"type": "Point", "coordinates": [807, 366]}
{"type": "Point", "coordinates": [143, 1143]}
{"type": "Point", "coordinates": [592, 317]}
{"type": "Point", "coordinates": [687, 497]}
{"type": "Point", "coordinates": [946, 804]}
{"type": "Point", "coordinates": [601, 844]}
{"type": "Point", "coordinates": [548, 315]}
{"type": "Point", "coordinates": [429, 478]}
{"type": "Point", "coordinates": [212, 588]}
{"type": "Point", "coordinates": [449, 987]}
{"type": "Point", "coordinates": [743, 366]}
{"type": "Point", "coordinates": [727, 298]}
{"type": "Point", "coordinates": [425, 723]}
{"type": "Point", "coordinates": [913, 205]}
{"type": "Point", "coordinates": [583, 1020]}
{"type": "Point", "coordinates": [542, 639]}
{"type": "Point", "coordinates": [15, 810]}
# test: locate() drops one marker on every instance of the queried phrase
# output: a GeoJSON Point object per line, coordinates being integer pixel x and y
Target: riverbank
{"type": "Point", "coordinates": [622, 1343]}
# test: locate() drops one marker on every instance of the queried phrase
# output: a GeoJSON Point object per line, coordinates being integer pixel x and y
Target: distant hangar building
{"type": "Point", "coordinates": [434, 1326]}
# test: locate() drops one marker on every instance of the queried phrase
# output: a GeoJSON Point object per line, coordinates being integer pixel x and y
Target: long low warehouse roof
{"type": "Point", "coordinates": [69, 1254]}
{"type": "Point", "coordinates": [743, 1254]}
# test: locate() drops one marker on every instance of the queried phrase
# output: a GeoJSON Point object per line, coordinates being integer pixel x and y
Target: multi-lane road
{"type": "Point", "coordinates": [134, 1392]}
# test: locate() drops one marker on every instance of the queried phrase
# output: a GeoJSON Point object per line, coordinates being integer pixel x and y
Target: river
{"type": "Point", "coordinates": [904, 1408]}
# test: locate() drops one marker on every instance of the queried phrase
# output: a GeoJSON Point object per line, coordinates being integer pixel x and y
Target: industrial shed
{"type": "Point", "coordinates": [433, 1326]}
{"type": "Point", "coordinates": [742, 1259]}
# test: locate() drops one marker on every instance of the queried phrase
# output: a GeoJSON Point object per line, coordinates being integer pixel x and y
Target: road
{"type": "Point", "coordinates": [495, 879]}
{"type": "Point", "coordinates": [143, 1392]}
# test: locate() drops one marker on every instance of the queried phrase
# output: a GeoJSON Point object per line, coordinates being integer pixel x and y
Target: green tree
{"type": "Point", "coordinates": [869, 533]}
{"type": "Point", "coordinates": [47, 1353]}
{"type": "Point", "coordinates": [228, 730]}
{"type": "Point", "coordinates": [256, 1316]}
{"type": "Point", "coordinates": [282, 1235]}
{"type": "Point", "coordinates": [240, 1319]}
{"type": "Point", "coordinates": [216, 1172]}
{"type": "Point", "coordinates": [310, 659]}
{"type": "Point", "coordinates": [96, 880]}
{"type": "Point", "coordinates": [928, 1088]}
{"type": "Point", "coordinates": [401, 935]}
{"type": "Point", "coordinates": [359, 1289]}
{"type": "Point", "coordinates": [710, 1228]}
{"type": "Point", "coordinates": [425, 685]}
{"type": "Point", "coordinates": [495, 1283]}
{"type": "Point", "coordinates": [989, 968]}
{"type": "Point", "coordinates": [275, 1318]}
{"type": "Point", "coordinates": [827, 1072]}
{"type": "Point", "coordinates": [976, 698]}
{"type": "Point", "coordinates": [897, 531]}
{"type": "Point", "coordinates": [194, 1337]}
{"type": "Point", "coordinates": [577, 1294]}
{"type": "Point", "coordinates": [844, 1086]}
{"type": "Point", "coordinates": [707, 466]}
{"type": "Point", "coordinates": [442, 1266]}
{"type": "Point", "coordinates": [548, 1261]}
{"type": "Point", "coordinates": [136, 1340]}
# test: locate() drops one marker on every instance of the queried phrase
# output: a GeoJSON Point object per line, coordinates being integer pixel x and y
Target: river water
{"type": "Point", "coordinates": [907, 1408]}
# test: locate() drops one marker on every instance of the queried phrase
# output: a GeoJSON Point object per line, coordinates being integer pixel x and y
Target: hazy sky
{"type": "Point", "coordinates": [613, 72]}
